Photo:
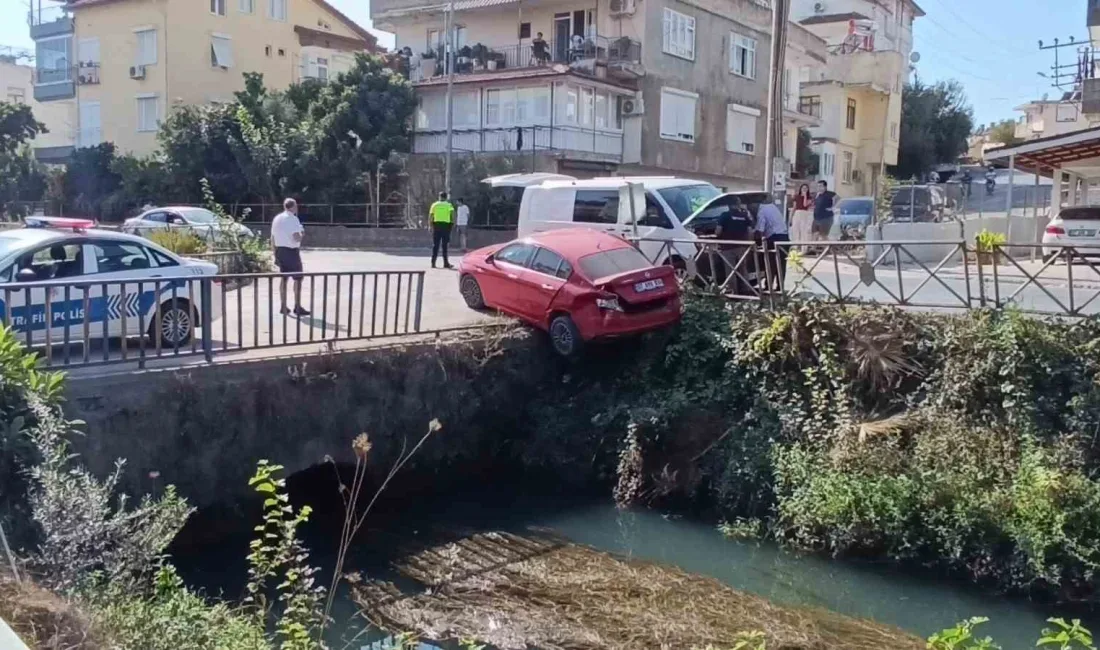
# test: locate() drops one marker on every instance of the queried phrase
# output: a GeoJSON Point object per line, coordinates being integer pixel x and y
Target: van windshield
{"type": "Point", "coordinates": [686, 199]}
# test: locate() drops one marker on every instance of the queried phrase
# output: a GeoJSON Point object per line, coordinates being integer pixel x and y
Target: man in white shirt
{"type": "Point", "coordinates": [286, 241]}
{"type": "Point", "coordinates": [773, 228]}
{"type": "Point", "coordinates": [462, 219]}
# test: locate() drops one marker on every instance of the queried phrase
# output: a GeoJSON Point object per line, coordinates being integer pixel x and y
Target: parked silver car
{"type": "Point", "coordinates": [200, 221]}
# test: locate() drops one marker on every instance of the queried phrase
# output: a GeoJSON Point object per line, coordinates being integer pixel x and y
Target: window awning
{"type": "Point", "coordinates": [459, 5]}
{"type": "Point", "coordinates": [1078, 152]}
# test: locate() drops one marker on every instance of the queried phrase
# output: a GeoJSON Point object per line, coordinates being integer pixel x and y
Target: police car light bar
{"type": "Point", "coordinates": [61, 223]}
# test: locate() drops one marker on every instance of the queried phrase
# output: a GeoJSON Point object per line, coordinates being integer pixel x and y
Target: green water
{"type": "Point", "coordinates": [918, 603]}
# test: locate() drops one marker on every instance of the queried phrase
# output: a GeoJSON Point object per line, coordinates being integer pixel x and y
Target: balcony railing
{"type": "Point", "coordinates": [45, 15]}
{"type": "Point", "coordinates": [534, 139]}
{"type": "Point", "coordinates": [615, 53]}
{"type": "Point", "coordinates": [86, 73]}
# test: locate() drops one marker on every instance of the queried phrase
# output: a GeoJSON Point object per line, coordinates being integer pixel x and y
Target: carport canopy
{"type": "Point", "coordinates": [1076, 153]}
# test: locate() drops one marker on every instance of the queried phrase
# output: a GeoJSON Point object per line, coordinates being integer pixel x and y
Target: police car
{"type": "Point", "coordinates": [50, 254]}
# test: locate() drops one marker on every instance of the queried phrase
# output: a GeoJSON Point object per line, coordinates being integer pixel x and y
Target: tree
{"type": "Point", "coordinates": [1005, 133]}
{"type": "Point", "coordinates": [935, 122]}
{"type": "Point", "coordinates": [17, 127]}
{"type": "Point", "coordinates": [20, 174]}
{"type": "Point", "coordinates": [806, 161]}
{"type": "Point", "coordinates": [90, 178]}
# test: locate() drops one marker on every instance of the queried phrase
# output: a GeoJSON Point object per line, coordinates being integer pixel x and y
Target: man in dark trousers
{"type": "Point", "coordinates": [442, 215]}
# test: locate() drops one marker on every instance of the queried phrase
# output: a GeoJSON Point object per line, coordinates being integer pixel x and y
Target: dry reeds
{"type": "Point", "coordinates": [528, 592]}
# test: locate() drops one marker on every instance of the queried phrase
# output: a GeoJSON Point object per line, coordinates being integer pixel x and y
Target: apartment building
{"type": "Point", "coordinates": [1044, 118]}
{"type": "Point", "coordinates": [17, 85]}
{"type": "Point", "coordinates": [120, 65]}
{"type": "Point", "coordinates": [592, 87]}
{"type": "Point", "coordinates": [858, 96]}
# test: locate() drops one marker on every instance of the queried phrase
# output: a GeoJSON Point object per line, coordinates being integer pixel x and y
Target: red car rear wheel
{"type": "Point", "coordinates": [564, 336]}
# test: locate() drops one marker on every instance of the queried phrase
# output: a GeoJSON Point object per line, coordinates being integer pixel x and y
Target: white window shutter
{"type": "Point", "coordinates": [669, 119]}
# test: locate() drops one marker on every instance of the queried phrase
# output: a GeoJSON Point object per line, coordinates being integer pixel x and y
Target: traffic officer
{"type": "Point", "coordinates": [442, 215]}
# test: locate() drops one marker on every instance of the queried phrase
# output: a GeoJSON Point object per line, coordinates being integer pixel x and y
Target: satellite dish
{"type": "Point", "coordinates": [1045, 96]}
{"type": "Point", "coordinates": [914, 57]}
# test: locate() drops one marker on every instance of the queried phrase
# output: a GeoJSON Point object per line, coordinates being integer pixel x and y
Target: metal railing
{"type": "Point", "coordinates": [101, 322]}
{"type": "Point", "coordinates": [1035, 278]}
{"type": "Point", "coordinates": [605, 50]}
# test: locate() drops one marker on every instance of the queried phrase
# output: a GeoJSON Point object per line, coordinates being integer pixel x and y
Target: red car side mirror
{"type": "Point", "coordinates": [490, 261]}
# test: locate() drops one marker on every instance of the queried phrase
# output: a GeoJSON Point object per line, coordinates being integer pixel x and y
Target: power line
{"type": "Point", "coordinates": [955, 37]}
{"type": "Point", "coordinates": [977, 31]}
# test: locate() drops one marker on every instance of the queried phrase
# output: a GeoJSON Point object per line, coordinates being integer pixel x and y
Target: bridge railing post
{"type": "Point", "coordinates": [207, 288]}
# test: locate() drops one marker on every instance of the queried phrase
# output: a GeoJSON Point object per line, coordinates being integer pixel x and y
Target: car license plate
{"type": "Point", "coordinates": [1081, 233]}
{"type": "Point", "coordinates": [648, 285]}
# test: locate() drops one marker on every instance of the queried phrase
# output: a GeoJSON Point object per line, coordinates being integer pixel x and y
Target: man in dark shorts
{"type": "Point", "coordinates": [824, 204]}
{"type": "Point", "coordinates": [286, 241]}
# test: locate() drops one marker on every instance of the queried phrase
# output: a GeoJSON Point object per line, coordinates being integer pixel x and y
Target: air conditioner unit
{"type": "Point", "coordinates": [633, 106]}
{"type": "Point", "coordinates": [137, 72]}
{"type": "Point", "coordinates": [620, 7]}
{"type": "Point", "coordinates": [819, 7]}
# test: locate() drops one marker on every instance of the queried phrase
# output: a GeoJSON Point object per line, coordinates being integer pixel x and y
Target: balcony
{"type": "Point", "coordinates": [1090, 98]}
{"type": "Point", "coordinates": [569, 142]}
{"type": "Point", "coordinates": [620, 58]}
{"type": "Point", "coordinates": [59, 82]}
{"type": "Point", "coordinates": [881, 70]}
{"type": "Point", "coordinates": [50, 21]}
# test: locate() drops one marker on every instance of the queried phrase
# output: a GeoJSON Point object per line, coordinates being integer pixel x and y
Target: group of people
{"type": "Point", "coordinates": [446, 217]}
{"type": "Point", "coordinates": [812, 214]}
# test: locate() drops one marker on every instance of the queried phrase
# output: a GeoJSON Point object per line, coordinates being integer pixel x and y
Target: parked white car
{"type": "Point", "coordinates": [51, 255]}
{"type": "Point", "coordinates": [661, 207]}
{"type": "Point", "coordinates": [1077, 226]}
{"type": "Point", "coordinates": [200, 221]}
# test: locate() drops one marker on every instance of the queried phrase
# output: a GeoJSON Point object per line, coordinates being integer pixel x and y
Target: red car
{"type": "Point", "coordinates": [577, 284]}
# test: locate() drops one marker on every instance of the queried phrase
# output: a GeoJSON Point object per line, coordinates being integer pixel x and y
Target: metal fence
{"type": "Point", "coordinates": [1043, 279]}
{"type": "Point", "coordinates": [91, 322]}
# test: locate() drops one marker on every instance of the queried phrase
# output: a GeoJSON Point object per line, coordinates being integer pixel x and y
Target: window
{"type": "Point", "coordinates": [686, 199]}
{"type": "Point", "coordinates": [546, 261]}
{"type": "Point", "coordinates": [1065, 113]}
{"type": "Point", "coordinates": [586, 106]}
{"type": "Point", "coordinates": [87, 52]}
{"type": "Point", "coordinates": [846, 170]}
{"type": "Point", "coordinates": [282, 52]}
{"type": "Point", "coordinates": [217, 7]}
{"type": "Point", "coordinates": [276, 9]}
{"type": "Point", "coordinates": [500, 107]}
{"type": "Point", "coordinates": [16, 95]}
{"type": "Point", "coordinates": [613, 262]}
{"type": "Point", "coordinates": [221, 52]}
{"type": "Point", "coordinates": [322, 68]}
{"type": "Point", "coordinates": [54, 262]}
{"type": "Point", "coordinates": [678, 115]}
{"type": "Point", "coordinates": [525, 30]}
{"type": "Point", "coordinates": [596, 206]}
{"type": "Point", "coordinates": [532, 105]}
{"type": "Point", "coordinates": [115, 257]}
{"type": "Point", "coordinates": [146, 53]}
{"type": "Point", "coordinates": [90, 133]}
{"type": "Point", "coordinates": [564, 270]}
{"type": "Point", "coordinates": [742, 56]}
{"type": "Point", "coordinates": [654, 216]}
{"type": "Point", "coordinates": [741, 129]}
{"type": "Point", "coordinates": [810, 105]}
{"type": "Point", "coordinates": [850, 118]}
{"type": "Point", "coordinates": [517, 254]}
{"type": "Point", "coordinates": [161, 259]}
{"type": "Point", "coordinates": [53, 58]}
{"type": "Point", "coordinates": [148, 113]}
{"type": "Point", "coordinates": [678, 38]}
{"type": "Point", "coordinates": [827, 163]}
{"type": "Point", "coordinates": [156, 217]}
{"type": "Point", "coordinates": [246, 6]}
{"type": "Point", "coordinates": [464, 110]}
{"type": "Point", "coordinates": [267, 50]}
{"type": "Point", "coordinates": [601, 110]}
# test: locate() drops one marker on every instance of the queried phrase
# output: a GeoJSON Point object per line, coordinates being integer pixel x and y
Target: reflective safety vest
{"type": "Point", "coordinates": [442, 212]}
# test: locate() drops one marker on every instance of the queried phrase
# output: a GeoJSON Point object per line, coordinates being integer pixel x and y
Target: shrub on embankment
{"type": "Point", "coordinates": [967, 442]}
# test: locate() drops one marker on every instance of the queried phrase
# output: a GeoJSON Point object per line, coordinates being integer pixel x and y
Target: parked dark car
{"type": "Point", "coordinates": [919, 203]}
{"type": "Point", "coordinates": [704, 220]}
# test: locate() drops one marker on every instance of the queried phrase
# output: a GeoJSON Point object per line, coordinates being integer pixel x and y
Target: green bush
{"type": "Point", "coordinates": [180, 242]}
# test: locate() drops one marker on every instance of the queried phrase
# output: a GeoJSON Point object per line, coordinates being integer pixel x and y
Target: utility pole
{"type": "Point", "coordinates": [773, 142]}
{"type": "Point", "coordinates": [449, 70]}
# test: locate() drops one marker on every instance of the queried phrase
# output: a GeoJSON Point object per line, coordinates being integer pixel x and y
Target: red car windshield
{"type": "Point", "coordinates": [613, 262]}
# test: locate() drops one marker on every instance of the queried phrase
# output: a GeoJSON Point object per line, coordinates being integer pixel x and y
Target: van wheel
{"type": "Point", "coordinates": [175, 326]}
{"type": "Point", "coordinates": [564, 336]}
{"type": "Point", "coordinates": [471, 292]}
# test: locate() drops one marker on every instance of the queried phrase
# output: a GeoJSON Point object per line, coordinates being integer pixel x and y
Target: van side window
{"type": "Point", "coordinates": [655, 216]}
{"type": "Point", "coordinates": [596, 206]}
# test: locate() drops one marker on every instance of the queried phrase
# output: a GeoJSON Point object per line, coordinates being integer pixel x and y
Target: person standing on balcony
{"type": "Point", "coordinates": [442, 215]}
{"type": "Point", "coordinates": [286, 241]}
{"type": "Point", "coordinates": [540, 51]}
{"type": "Point", "coordinates": [462, 219]}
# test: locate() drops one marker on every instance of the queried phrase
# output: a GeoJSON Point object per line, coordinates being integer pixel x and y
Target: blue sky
{"type": "Point", "coordinates": [991, 46]}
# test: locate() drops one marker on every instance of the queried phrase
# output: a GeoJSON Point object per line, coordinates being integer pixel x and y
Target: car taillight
{"type": "Point", "coordinates": [609, 301]}
{"type": "Point", "coordinates": [1055, 230]}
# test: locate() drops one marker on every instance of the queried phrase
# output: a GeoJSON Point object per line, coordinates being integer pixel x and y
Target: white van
{"type": "Point", "coordinates": [603, 204]}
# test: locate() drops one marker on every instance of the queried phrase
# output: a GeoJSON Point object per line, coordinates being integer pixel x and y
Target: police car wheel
{"type": "Point", "coordinates": [564, 336]}
{"type": "Point", "coordinates": [175, 326]}
{"type": "Point", "coordinates": [471, 292]}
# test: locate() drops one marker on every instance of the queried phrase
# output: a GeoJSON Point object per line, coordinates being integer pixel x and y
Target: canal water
{"type": "Point", "coordinates": [918, 603]}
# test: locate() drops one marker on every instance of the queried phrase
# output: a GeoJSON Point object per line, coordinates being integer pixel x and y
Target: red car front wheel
{"type": "Point", "coordinates": [471, 292]}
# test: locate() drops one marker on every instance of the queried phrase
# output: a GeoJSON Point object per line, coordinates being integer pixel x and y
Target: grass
{"type": "Point", "coordinates": [519, 592]}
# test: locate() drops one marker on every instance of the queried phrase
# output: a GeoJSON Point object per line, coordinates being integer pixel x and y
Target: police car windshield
{"type": "Point", "coordinates": [17, 240]}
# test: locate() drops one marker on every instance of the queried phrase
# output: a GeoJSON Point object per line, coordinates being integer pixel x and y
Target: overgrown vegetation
{"type": "Point", "coordinates": [963, 442]}
{"type": "Point", "coordinates": [181, 242]}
